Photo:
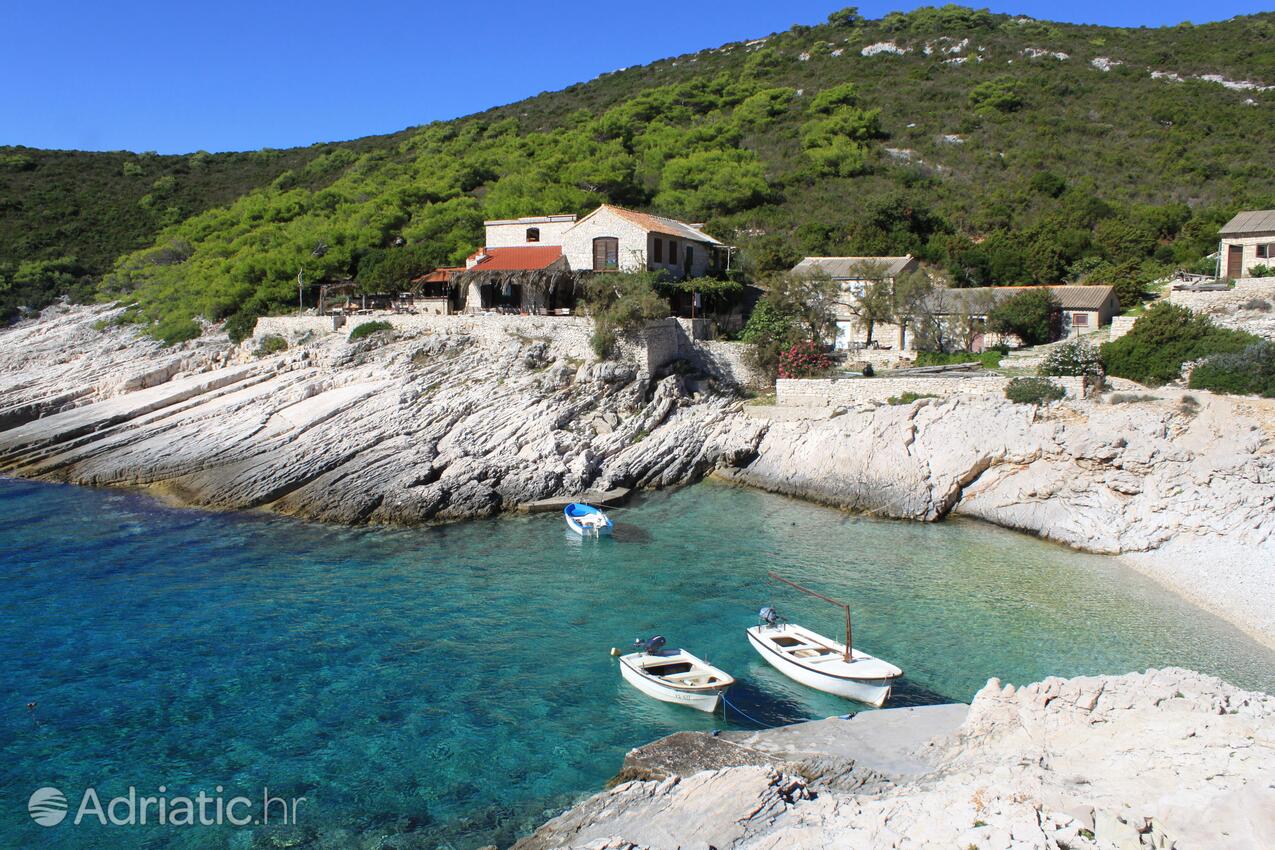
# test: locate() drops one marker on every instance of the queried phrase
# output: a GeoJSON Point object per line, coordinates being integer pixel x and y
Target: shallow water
{"type": "Point", "coordinates": [455, 682]}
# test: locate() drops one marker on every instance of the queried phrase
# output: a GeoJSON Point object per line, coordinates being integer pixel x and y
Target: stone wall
{"type": "Point", "coordinates": [577, 244]}
{"type": "Point", "coordinates": [662, 342]}
{"type": "Point", "coordinates": [835, 392]}
{"type": "Point", "coordinates": [1249, 306]}
{"type": "Point", "coordinates": [294, 327]}
{"type": "Point", "coordinates": [1121, 325]}
{"type": "Point", "coordinates": [727, 361]}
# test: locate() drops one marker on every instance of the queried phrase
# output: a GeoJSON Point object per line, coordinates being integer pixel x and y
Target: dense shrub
{"type": "Point", "coordinates": [804, 360]}
{"type": "Point", "coordinates": [1261, 270]}
{"type": "Point", "coordinates": [997, 96]}
{"type": "Point", "coordinates": [622, 303]}
{"type": "Point", "coordinates": [368, 328]}
{"type": "Point", "coordinates": [795, 309]}
{"type": "Point", "coordinates": [240, 326]}
{"type": "Point", "coordinates": [1031, 315]}
{"type": "Point", "coordinates": [1076, 358]}
{"type": "Point", "coordinates": [1163, 339]}
{"type": "Point", "coordinates": [1247, 372]}
{"type": "Point", "coordinates": [1033, 391]}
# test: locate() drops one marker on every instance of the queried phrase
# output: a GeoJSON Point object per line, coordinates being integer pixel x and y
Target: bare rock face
{"type": "Point", "coordinates": [1187, 492]}
{"type": "Point", "coordinates": [1162, 759]}
{"type": "Point", "coordinates": [391, 428]}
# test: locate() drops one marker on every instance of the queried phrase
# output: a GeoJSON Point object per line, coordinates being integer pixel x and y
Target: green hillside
{"type": "Point", "coordinates": [993, 147]}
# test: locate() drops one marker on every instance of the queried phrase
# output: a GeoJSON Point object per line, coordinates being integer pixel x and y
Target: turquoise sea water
{"type": "Point", "coordinates": [452, 686]}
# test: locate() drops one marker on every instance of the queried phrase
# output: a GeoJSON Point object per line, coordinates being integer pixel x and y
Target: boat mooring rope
{"type": "Point", "coordinates": [738, 710]}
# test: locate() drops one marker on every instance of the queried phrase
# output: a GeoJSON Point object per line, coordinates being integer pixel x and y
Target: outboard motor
{"type": "Point", "coordinates": [652, 646]}
{"type": "Point", "coordinates": [768, 615]}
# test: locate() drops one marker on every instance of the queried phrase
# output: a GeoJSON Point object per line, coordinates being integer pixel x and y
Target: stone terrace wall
{"type": "Point", "coordinates": [1250, 306]}
{"type": "Point", "coordinates": [293, 327]}
{"type": "Point", "coordinates": [661, 343]}
{"type": "Point", "coordinates": [835, 392]}
{"type": "Point", "coordinates": [1121, 325]}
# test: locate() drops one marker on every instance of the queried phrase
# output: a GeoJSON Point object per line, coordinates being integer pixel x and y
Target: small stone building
{"type": "Point", "coordinates": [613, 238]}
{"type": "Point", "coordinates": [1247, 240]}
{"type": "Point", "coordinates": [1083, 308]}
{"type": "Point", "coordinates": [853, 274]}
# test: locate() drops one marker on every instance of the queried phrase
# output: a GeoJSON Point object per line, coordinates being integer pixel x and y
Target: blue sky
{"type": "Point", "coordinates": [236, 75]}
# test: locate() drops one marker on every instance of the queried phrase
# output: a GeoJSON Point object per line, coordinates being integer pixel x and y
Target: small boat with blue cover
{"type": "Point", "coordinates": [586, 520]}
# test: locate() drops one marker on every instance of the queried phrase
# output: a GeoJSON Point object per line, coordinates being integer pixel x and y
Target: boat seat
{"type": "Point", "coordinates": [810, 652]}
{"type": "Point", "coordinates": [691, 679]}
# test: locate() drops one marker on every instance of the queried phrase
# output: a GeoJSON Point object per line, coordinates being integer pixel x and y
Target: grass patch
{"type": "Point", "coordinates": [989, 359]}
{"type": "Point", "coordinates": [908, 397]}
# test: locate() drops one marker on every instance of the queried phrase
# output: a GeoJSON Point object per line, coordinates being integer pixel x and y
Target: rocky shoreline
{"type": "Point", "coordinates": [422, 426]}
{"type": "Point", "coordinates": [1163, 759]}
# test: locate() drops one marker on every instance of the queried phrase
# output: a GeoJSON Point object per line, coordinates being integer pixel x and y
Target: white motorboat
{"type": "Point", "coordinates": [819, 662]}
{"type": "Point", "coordinates": [674, 676]}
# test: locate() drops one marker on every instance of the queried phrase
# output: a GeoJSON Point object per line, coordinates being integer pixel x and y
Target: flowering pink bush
{"type": "Point", "coordinates": [803, 360]}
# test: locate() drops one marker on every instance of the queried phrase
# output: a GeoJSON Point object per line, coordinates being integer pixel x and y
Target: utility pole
{"type": "Point", "coordinates": [300, 290]}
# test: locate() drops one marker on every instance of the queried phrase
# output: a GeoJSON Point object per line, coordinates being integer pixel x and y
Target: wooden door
{"type": "Point", "coordinates": [1234, 260]}
{"type": "Point", "coordinates": [606, 254]}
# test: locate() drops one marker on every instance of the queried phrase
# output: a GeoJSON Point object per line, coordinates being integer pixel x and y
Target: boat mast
{"type": "Point", "coordinates": [840, 605]}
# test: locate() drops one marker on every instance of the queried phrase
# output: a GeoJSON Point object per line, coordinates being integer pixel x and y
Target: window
{"type": "Point", "coordinates": [688, 257]}
{"type": "Point", "coordinates": [672, 252]}
{"type": "Point", "coordinates": [533, 234]}
{"type": "Point", "coordinates": [1080, 319]}
{"type": "Point", "coordinates": [659, 250]}
{"type": "Point", "coordinates": [1266, 252]}
{"type": "Point", "coordinates": [606, 254]}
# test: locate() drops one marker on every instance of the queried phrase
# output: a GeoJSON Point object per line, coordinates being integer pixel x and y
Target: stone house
{"type": "Point", "coordinates": [529, 263]}
{"type": "Point", "coordinates": [853, 274]}
{"type": "Point", "coordinates": [1083, 309]}
{"type": "Point", "coordinates": [613, 238]}
{"type": "Point", "coordinates": [1248, 240]}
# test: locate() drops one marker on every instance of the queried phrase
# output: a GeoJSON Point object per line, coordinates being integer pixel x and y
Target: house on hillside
{"type": "Point", "coordinates": [1247, 240]}
{"type": "Point", "coordinates": [613, 238]}
{"type": "Point", "coordinates": [853, 274]}
{"type": "Point", "coordinates": [532, 263]}
{"type": "Point", "coordinates": [1083, 309]}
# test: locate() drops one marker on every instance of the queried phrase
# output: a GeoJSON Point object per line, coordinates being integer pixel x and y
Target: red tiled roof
{"type": "Point", "coordinates": [519, 258]}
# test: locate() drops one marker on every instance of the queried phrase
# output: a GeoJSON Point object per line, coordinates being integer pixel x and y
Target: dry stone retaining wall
{"type": "Point", "coordinates": [835, 392]}
{"type": "Point", "coordinates": [1121, 325]}
{"type": "Point", "coordinates": [661, 343]}
{"type": "Point", "coordinates": [1249, 306]}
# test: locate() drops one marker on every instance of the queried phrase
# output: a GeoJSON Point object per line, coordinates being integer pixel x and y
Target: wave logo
{"type": "Point", "coordinates": [47, 806]}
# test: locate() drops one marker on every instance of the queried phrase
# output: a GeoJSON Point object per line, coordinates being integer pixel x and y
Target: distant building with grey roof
{"type": "Point", "coordinates": [1248, 240]}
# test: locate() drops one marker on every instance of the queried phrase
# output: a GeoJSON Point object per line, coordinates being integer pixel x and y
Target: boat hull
{"type": "Point", "coordinates": [706, 699]}
{"type": "Point", "coordinates": [873, 692]}
{"type": "Point", "coordinates": [592, 531]}
{"type": "Point", "coordinates": [575, 513]}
